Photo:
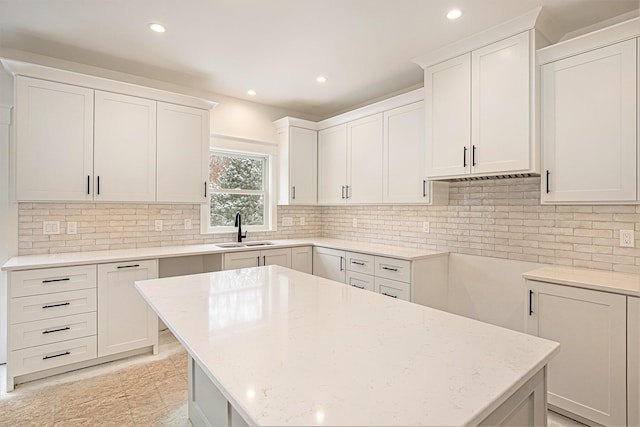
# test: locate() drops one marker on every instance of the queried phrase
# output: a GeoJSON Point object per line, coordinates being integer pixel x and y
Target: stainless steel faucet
{"type": "Point", "coordinates": [239, 225]}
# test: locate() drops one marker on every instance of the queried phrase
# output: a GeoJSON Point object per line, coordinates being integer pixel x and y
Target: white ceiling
{"type": "Point", "coordinates": [276, 47]}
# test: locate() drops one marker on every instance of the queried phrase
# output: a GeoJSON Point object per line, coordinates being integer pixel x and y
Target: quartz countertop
{"type": "Point", "coordinates": [97, 257]}
{"type": "Point", "coordinates": [288, 348]}
{"type": "Point", "coordinates": [599, 280]}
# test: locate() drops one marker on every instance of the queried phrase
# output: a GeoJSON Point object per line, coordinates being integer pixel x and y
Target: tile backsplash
{"type": "Point", "coordinates": [498, 218]}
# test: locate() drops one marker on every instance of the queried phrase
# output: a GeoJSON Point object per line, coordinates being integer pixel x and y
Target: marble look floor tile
{"type": "Point", "coordinates": [98, 408]}
{"type": "Point", "coordinates": [556, 420]}
{"type": "Point", "coordinates": [163, 369]}
{"type": "Point", "coordinates": [84, 390]}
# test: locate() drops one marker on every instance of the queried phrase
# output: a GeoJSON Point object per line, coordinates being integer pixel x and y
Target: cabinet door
{"type": "Point", "coordinates": [500, 95]}
{"type": "Point", "coordinates": [54, 141]}
{"type": "Point", "coordinates": [244, 259]}
{"type": "Point", "coordinates": [404, 155]}
{"type": "Point", "coordinates": [329, 263]}
{"type": "Point", "coordinates": [448, 117]}
{"type": "Point", "coordinates": [633, 361]}
{"type": "Point", "coordinates": [302, 259]}
{"type": "Point", "coordinates": [588, 376]}
{"type": "Point", "coordinates": [124, 148]}
{"type": "Point", "coordinates": [332, 165]}
{"type": "Point", "coordinates": [182, 153]}
{"type": "Point", "coordinates": [589, 126]}
{"type": "Point", "coordinates": [303, 166]}
{"type": "Point", "coordinates": [280, 257]}
{"type": "Point", "coordinates": [125, 320]}
{"type": "Point", "coordinates": [364, 155]}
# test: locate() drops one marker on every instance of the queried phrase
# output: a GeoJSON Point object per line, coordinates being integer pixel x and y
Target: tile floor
{"type": "Point", "coordinates": [143, 390]}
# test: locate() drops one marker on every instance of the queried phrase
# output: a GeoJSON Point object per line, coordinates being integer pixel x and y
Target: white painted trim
{"type": "Point", "coordinates": [5, 114]}
{"type": "Point", "coordinates": [530, 20]}
{"type": "Point", "coordinates": [292, 121]}
{"type": "Point", "coordinates": [19, 68]}
{"type": "Point", "coordinates": [606, 36]}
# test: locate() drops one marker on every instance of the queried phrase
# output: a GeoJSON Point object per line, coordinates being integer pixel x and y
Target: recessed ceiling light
{"type": "Point", "coordinates": [158, 28]}
{"type": "Point", "coordinates": [251, 92]}
{"type": "Point", "coordinates": [454, 14]}
{"type": "Point", "coordinates": [321, 79]}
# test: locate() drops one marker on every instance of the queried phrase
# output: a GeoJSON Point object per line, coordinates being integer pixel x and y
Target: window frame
{"type": "Point", "coordinates": [248, 149]}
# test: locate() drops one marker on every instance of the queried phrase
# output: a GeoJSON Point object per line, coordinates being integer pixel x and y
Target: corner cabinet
{"type": "Point", "coordinates": [298, 153]}
{"type": "Point", "coordinates": [588, 377]}
{"type": "Point", "coordinates": [589, 119]}
{"type": "Point", "coordinates": [479, 111]}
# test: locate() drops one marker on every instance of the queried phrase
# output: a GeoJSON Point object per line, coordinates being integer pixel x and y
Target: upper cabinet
{"type": "Point", "coordinates": [297, 153]}
{"type": "Point", "coordinates": [364, 160]}
{"type": "Point", "coordinates": [75, 142]}
{"type": "Point", "coordinates": [589, 117]}
{"type": "Point", "coordinates": [332, 165]}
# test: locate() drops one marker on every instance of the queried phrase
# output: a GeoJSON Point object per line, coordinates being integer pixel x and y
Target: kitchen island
{"type": "Point", "coordinates": [272, 346]}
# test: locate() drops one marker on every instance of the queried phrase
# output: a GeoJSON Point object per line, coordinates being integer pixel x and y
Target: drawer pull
{"type": "Point", "coordinates": [356, 286]}
{"type": "Point", "coordinates": [66, 279]}
{"type": "Point", "coordinates": [389, 268]}
{"type": "Point", "coordinates": [66, 353]}
{"type": "Point", "coordinates": [357, 263]}
{"type": "Point", "coordinates": [389, 295]}
{"type": "Point", "coordinates": [56, 305]}
{"type": "Point", "coordinates": [50, 331]}
{"type": "Point", "coordinates": [129, 266]}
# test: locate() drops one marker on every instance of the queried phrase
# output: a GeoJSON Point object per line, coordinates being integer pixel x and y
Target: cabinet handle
{"type": "Point", "coordinates": [205, 189]}
{"type": "Point", "coordinates": [66, 353]}
{"type": "Point", "coordinates": [264, 260]}
{"type": "Point", "coordinates": [389, 268]}
{"type": "Point", "coordinates": [66, 279]}
{"type": "Point", "coordinates": [258, 261]}
{"type": "Point", "coordinates": [129, 266]}
{"type": "Point", "coordinates": [357, 263]}
{"type": "Point", "coordinates": [548, 181]}
{"type": "Point", "coordinates": [424, 188]}
{"type": "Point", "coordinates": [464, 157]}
{"type": "Point", "coordinates": [50, 331]}
{"type": "Point", "coordinates": [88, 184]}
{"type": "Point", "coordinates": [56, 305]}
{"type": "Point", "coordinates": [473, 155]}
{"type": "Point", "coordinates": [530, 302]}
{"type": "Point", "coordinates": [341, 264]}
{"type": "Point", "coordinates": [343, 191]}
{"type": "Point", "coordinates": [293, 189]}
{"type": "Point", "coordinates": [389, 295]}
{"type": "Point", "coordinates": [356, 286]}
{"type": "Point", "coordinates": [348, 192]}
{"type": "Point", "coordinates": [98, 186]}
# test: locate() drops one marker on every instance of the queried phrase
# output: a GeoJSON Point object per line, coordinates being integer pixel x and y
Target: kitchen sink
{"type": "Point", "coordinates": [259, 243]}
{"type": "Point", "coordinates": [230, 245]}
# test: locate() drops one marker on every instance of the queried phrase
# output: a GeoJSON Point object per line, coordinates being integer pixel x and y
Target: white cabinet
{"type": "Point", "coordinates": [125, 320]}
{"type": "Point", "coordinates": [633, 361]}
{"type": "Point", "coordinates": [302, 259]}
{"type": "Point", "coordinates": [124, 144]}
{"type": "Point", "coordinates": [329, 263]}
{"type": "Point", "coordinates": [588, 376]}
{"type": "Point", "coordinates": [360, 281]}
{"type": "Point", "coordinates": [54, 133]}
{"type": "Point", "coordinates": [246, 259]}
{"type": "Point", "coordinates": [332, 165]}
{"type": "Point", "coordinates": [479, 111]}
{"type": "Point", "coordinates": [298, 153]}
{"type": "Point", "coordinates": [364, 160]}
{"type": "Point", "coordinates": [589, 130]}
{"type": "Point", "coordinates": [182, 154]}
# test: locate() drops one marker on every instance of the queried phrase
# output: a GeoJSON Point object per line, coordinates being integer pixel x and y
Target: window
{"type": "Point", "coordinates": [238, 182]}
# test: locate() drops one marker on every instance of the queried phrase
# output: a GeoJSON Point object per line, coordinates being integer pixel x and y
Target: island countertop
{"type": "Point", "coordinates": [287, 348]}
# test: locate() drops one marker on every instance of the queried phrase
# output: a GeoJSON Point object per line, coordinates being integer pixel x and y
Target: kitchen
{"type": "Point", "coordinates": [494, 230]}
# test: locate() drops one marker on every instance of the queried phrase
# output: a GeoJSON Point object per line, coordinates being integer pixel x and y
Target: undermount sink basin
{"type": "Point", "coordinates": [259, 243]}
{"type": "Point", "coordinates": [230, 245]}
{"type": "Point", "coordinates": [243, 245]}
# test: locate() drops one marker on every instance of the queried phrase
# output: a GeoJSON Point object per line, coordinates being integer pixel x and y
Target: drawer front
{"type": "Point", "coordinates": [360, 263]}
{"type": "Point", "coordinates": [41, 332]}
{"type": "Point", "coordinates": [50, 280]}
{"type": "Point", "coordinates": [359, 280]}
{"type": "Point", "coordinates": [40, 307]}
{"type": "Point", "coordinates": [394, 269]}
{"type": "Point", "coordinates": [48, 356]}
{"type": "Point", "coordinates": [394, 289]}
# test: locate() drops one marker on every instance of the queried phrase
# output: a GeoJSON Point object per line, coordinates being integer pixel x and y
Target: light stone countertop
{"type": "Point", "coordinates": [99, 257]}
{"type": "Point", "coordinates": [599, 280]}
{"type": "Point", "coordinates": [288, 348]}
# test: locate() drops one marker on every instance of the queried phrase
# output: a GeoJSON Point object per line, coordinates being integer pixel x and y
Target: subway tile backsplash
{"type": "Point", "coordinates": [497, 218]}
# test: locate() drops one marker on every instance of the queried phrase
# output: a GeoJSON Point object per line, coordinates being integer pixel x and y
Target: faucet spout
{"type": "Point", "coordinates": [239, 225]}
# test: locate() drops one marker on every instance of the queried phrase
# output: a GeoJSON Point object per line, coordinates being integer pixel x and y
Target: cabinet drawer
{"type": "Point", "coordinates": [40, 307]}
{"type": "Point", "coordinates": [52, 355]}
{"type": "Point", "coordinates": [41, 332]}
{"type": "Point", "coordinates": [394, 269]}
{"type": "Point", "coordinates": [50, 280]}
{"type": "Point", "coordinates": [359, 280]}
{"type": "Point", "coordinates": [394, 289]}
{"type": "Point", "coordinates": [360, 263]}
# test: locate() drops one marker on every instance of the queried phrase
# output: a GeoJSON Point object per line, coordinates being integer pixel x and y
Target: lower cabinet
{"type": "Point", "coordinates": [329, 263]}
{"type": "Point", "coordinates": [588, 377]}
{"type": "Point", "coordinates": [393, 289]}
{"type": "Point", "coordinates": [246, 259]}
{"type": "Point", "coordinates": [633, 361]}
{"type": "Point", "coordinates": [302, 259]}
{"type": "Point", "coordinates": [361, 281]}
{"type": "Point", "coordinates": [125, 320]}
